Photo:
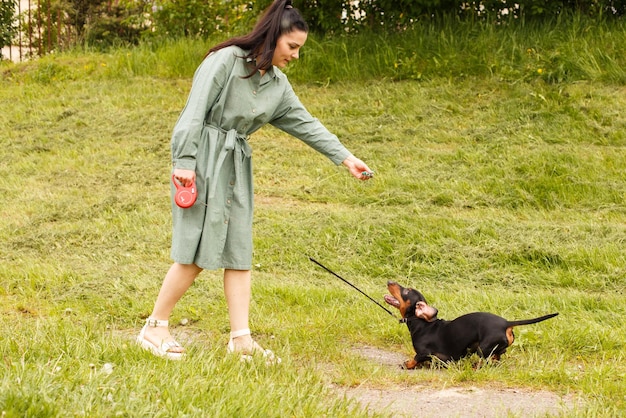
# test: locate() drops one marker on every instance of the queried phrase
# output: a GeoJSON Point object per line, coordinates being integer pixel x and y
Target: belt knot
{"type": "Point", "coordinates": [238, 144]}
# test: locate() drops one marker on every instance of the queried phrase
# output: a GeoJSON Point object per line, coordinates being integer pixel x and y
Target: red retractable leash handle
{"type": "Point", "coordinates": [185, 197]}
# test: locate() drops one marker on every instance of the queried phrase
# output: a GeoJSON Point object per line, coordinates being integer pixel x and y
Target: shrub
{"type": "Point", "coordinates": [197, 18]}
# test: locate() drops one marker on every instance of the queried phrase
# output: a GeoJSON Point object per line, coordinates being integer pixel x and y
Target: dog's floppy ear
{"type": "Point", "coordinates": [425, 312]}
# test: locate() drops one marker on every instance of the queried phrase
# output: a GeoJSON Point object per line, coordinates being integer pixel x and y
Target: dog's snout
{"type": "Point", "coordinates": [390, 282]}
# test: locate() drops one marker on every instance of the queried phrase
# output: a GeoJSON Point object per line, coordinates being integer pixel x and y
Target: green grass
{"type": "Point", "coordinates": [568, 49]}
{"type": "Point", "coordinates": [495, 194]}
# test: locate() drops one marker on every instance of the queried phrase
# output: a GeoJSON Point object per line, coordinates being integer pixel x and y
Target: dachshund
{"type": "Point", "coordinates": [483, 333]}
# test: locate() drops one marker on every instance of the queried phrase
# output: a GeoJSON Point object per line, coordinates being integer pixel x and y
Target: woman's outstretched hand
{"type": "Point", "coordinates": [358, 168]}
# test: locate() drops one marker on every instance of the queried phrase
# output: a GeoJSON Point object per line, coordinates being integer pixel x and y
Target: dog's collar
{"type": "Point", "coordinates": [403, 320]}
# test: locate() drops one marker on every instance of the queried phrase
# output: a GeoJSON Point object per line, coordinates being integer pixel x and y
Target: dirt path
{"type": "Point", "coordinates": [463, 402]}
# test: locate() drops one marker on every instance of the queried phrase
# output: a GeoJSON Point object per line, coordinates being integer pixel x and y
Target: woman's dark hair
{"type": "Point", "coordinates": [279, 18]}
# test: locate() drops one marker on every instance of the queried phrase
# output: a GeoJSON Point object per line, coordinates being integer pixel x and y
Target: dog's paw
{"type": "Point", "coordinates": [409, 365]}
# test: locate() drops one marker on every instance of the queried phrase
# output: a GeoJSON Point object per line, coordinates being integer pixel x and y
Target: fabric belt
{"type": "Point", "coordinates": [238, 143]}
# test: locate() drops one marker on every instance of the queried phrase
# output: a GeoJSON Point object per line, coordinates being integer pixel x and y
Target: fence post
{"type": "Point", "coordinates": [49, 27]}
{"type": "Point", "coordinates": [19, 29]}
{"type": "Point", "coordinates": [39, 51]}
{"type": "Point", "coordinates": [30, 30]}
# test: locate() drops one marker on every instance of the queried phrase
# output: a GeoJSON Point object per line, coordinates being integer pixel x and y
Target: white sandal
{"type": "Point", "coordinates": [164, 349]}
{"type": "Point", "coordinates": [269, 356]}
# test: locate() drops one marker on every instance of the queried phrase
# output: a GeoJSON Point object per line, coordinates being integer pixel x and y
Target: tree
{"type": "Point", "coordinates": [8, 28]}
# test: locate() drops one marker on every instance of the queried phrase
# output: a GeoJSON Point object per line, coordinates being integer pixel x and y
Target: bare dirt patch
{"type": "Point", "coordinates": [465, 402]}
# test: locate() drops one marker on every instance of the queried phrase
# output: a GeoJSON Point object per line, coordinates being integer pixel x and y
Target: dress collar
{"type": "Point", "coordinates": [271, 73]}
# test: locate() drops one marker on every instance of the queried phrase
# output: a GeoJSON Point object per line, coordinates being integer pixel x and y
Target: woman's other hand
{"type": "Point", "coordinates": [185, 177]}
{"type": "Point", "coordinates": [358, 168]}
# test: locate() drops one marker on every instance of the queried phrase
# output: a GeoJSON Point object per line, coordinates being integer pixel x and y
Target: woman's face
{"type": "Point", "coordinates": [288, 47]}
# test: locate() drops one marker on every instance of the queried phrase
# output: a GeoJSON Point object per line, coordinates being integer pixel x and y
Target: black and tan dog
{"type": "Point", "coordinates": [483, 333]}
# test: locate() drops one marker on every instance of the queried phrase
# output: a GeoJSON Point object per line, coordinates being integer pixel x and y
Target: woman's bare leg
{"type": "Point", "coordinates": [237, 289]}
{"type": "Point", "coordinates": [177, 281]}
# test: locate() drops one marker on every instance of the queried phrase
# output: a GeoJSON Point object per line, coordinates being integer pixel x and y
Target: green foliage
{"type": "Point", "coordinates": [552, 9]}
{"type": "Point", "coordinates": [390, 15]}
{"type": "Point", "coordinates": [195, 18]}
{"type": "Point", "coordinates": [331, 17]}
{"type": "Point", "coordinates": [116, 24]}
{"type": "Point", "coordinates": [59, 25]}
{"type": "Point", "coordinates": [7, 23]}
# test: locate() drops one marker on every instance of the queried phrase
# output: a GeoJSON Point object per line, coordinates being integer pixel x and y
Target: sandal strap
{"type": "Point", "coordinates": [167, 347]}
{"type": "Point", "coordinates": [151, 322]}
{"type": "Point", "coordinates": [239, 333]}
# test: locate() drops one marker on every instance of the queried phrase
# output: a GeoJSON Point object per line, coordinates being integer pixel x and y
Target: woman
{"type": "Point", "coordinates": [237, 89]}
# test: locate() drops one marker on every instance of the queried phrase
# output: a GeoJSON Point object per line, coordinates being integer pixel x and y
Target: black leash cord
{"type": "Point", "coordinates": [347, 282]}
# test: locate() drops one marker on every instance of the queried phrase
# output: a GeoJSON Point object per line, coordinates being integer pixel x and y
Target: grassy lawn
{"type": "Point", "coordinates": [489, 195]}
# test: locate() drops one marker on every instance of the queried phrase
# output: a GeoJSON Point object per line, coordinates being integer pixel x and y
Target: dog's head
{"type": "Point", "coordinates": [409, 302]}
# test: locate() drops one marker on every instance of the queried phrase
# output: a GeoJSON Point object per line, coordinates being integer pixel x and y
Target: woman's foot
{"type": "Point", "coordinates": [155, 337]}
{"type": "Point", "coordinates": [241, 342]}
{"type": "Point", "coordinates": [245, 345]}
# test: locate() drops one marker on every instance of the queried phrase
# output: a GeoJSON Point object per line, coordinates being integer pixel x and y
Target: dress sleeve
{"type": "Point", "coordinates": [208, 81]}
{"type": "Point", "coordinates": [292, 117]}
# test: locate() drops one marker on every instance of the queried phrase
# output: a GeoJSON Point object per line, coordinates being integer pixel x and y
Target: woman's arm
{"type": "Point", "coordinates": [292, 117]}
{"type": "Point", "coordinates": [206, 87]}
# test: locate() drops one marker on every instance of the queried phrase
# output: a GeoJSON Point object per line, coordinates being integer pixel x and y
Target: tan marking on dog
{"type": "Point", "coordinates": [510, 337]}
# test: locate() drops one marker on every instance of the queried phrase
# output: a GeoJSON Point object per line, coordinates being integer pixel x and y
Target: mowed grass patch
{"type": "Point", "coordinates": [488, 195]}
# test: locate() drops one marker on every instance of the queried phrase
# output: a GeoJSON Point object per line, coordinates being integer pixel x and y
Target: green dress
{"type": "Point", "coordinates": [211, 137]}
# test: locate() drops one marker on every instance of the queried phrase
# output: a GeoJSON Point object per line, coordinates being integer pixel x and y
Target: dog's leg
{"type": "Point", "coordinates": [493, 349]}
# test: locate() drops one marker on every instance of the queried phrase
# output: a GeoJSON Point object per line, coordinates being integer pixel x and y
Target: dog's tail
{"type": "Point", "coordinates": [532, 321]}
